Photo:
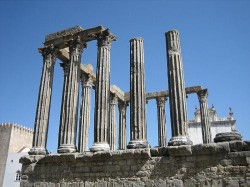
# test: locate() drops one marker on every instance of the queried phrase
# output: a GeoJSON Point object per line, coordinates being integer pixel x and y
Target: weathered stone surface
{"type": "Point", "coordinates": [44, 99]}
{"type": "Point", "coordinates": [69, 104]}
{"type": "Point", "coordinates": [155, 95]}
{"type": "Point", "coordinates": [87, 83]}
{"type": "Point", "coordinates": [175, 183]}
{"type": "Point", "coordinates": [227, 136]}
{"type": "Point", "coordinates": [122, 106]}
{"type": "Point", "coordinates": [102, 92]}
{"type": "Point", "coordinates": [161, 116]}
{"type": "Point", "coordinates": [246, 145]}
{"type": "Point", "coordinates": [210, 148]}
{"type": "Point", "coordinates": [236, 145]}
{"type": "Point", "coordinates": [205, 119]}
{"type": "Point", "coordinates": [112, 122]}
{"type": "Point", "coordinates": [177, 95]}
{"type": "Point", "coordinates": [63, 33]}
{"type": "Point", "coordinates": [163, 151]}
{"type": "Point", "coordinates": [232, 183]}
{"type": "Point", "coordinates": [182, 150]}
{"type": "Point", "coordinates": [138, 126]}
{"type": "Point", "coordinates": [154, 152]}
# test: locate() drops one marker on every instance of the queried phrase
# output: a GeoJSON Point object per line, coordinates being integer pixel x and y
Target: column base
{"type": "Point", "coordinates": [38, 151]}
{"type": "Point", "coordinates": [227, 136]}
{"type": "Point", "coordinates": [180, 140]}
{"type": "Point", "coordinates": [100, 147]}
{"type": "Point", "coordinates": [66, 148]}
{"type": "Point", "coordinates": [137, 144]}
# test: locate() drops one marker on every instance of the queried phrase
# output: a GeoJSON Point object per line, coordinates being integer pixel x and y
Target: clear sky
{"type": "Point", "coordinates": [215, 41]}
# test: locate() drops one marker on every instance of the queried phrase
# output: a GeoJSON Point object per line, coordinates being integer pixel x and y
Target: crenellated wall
{"type": "Point", "coordinates": [217, 164]}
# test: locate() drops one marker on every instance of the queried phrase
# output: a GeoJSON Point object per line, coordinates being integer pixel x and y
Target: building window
{"type": "Point", "coordinates": [18, 176]}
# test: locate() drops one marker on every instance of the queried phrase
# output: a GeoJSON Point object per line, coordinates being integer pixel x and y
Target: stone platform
{"type": "Point", "coordinates": [216, 164]}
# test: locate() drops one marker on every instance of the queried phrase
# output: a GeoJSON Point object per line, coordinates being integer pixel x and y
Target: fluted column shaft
{"type": "Point", "coordinates": [112, 127]}
{"type": "Point", "coordinates": [162, 138]}
{"type": "Point", "coordinates": [177, 94]}
{"type": "Point", "coordinates": [138, 129]}
{"type": "Point", "coordinates": [122, 106]}
{"type": "Point", "coordinates": [102, 92]}
{"type": "Point", "coordinates": [84, 124]}
{"type": "Point", "coordinates": [44, 100]}
{"type": "Point", "coordinates": [205, 122]}
{"type": "Point", "coordinates": [69, 110]}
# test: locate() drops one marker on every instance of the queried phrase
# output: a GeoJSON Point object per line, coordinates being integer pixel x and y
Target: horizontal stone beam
{"type": "Point", "coordinates": [117, 92]}
{"type": "Point", "coordinates": [87, 69]}
{"type": "Point", "coordinates": [193, 89]}
{"type": "Point", "coordinates": [60, 39]}
{"type": "Point", "coordinates": [63, 54]}
{"type": "Point", "coordinates": [155, 95]}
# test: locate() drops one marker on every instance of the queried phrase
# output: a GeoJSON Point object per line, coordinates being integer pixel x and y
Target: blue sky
{"type": "Point", "coordinates": [215, 44]}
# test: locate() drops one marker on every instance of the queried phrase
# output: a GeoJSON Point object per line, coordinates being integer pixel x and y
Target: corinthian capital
{"type": "Point", "coordinates": [76, 46]}
{"type": "Point", "coordinates": [65, 66]}
{"type": "Point", "coordinates": [173, 41]}
{"type": "Point", "coordinates": [122, 105]}
{"type": "Point", "coordinates": [202, 95]}
{"type": "Point", "coordinates": [49, 54]}
{"type": "Point", "coordinates": [48, 51]}
{"type": "Point", "coordinates": [87, 80]}
{"type": "Point", "coordinates": [105, 38]}
{"type": "Point", "coordinates": [113, 99]}
{"type": "Point", "coordinates": [161, 101]}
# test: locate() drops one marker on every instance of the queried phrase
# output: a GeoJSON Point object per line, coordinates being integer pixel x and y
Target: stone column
{"type": "Point", "coordinates": [122, 106]}
{"type": "Point", "coordinates": [162, 138]}
{"type": "Point", "coordinates": [138, 129]}
{"type": "Point", "coordinates": [112, 127]}
{"type": "Point", "coordinates": [205, 122]}
{"type": "Point", "coordinates": [44, 99]}
{"type": "Point", "coordinates": [102, 91]}
{"type": "Point", "coordinates": [84, 124]}
{"type": "Point", "coordinates": [69, 107]}
{"type": "Point", "coordinates": [177, 94]}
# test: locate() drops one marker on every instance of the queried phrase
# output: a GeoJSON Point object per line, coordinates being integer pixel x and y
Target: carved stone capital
{"type": "Point", "coordinates": [87, 80]}
{"type": "Point", "coordinates": [202, 95]}
{"type": "Point", "coordinates": [161, 101]}
{"type": "Point", "coordinates": [76, 46]}
{"type": "Point", "coordinates": [65, 66]}
{"type": "Point", "coordinates": [113, 99]}
{"type": "Point", "coordinates": [122, 106]}
{"type": "Point", "coordinates": [173, 42]}
{"type": "Point", "coordinates": [105, 38]}
{"type": "Point", "coordinates": [49, 54]}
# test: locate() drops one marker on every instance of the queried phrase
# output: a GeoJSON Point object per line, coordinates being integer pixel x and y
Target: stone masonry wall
{"type": "Point", "coordinates": [224, 164]}
{"type": "Point", "coordinates": [5, 132]}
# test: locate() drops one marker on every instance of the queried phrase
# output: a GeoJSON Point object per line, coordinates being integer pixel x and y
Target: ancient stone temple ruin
{"type": "Point", "coordinates": [224, 161]}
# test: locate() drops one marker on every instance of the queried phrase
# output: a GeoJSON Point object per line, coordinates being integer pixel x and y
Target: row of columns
{"type": "Point", "coordinates": [105, 104]}
{"type": "Point", "coordinates": [69, 105]}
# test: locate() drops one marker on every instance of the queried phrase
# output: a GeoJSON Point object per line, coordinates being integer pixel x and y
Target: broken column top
{"type": "Point", "coordinates": [136, 38]}
{"type": "Point", "coordinates": [173, 43]}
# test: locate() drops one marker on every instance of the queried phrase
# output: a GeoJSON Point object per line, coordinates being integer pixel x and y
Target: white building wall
{"type": "Point", "coordinates": [12, 167]}
{"type": "Point", "coordinates": [195, 133]}
{"type": "Point", "coordinates": [219, 128]}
